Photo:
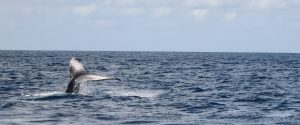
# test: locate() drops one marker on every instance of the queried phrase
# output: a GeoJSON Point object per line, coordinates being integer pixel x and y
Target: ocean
{"type": "Point", "coordinates": [165, 88]}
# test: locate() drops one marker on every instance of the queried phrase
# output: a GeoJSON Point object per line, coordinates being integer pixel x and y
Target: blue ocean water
{"type": "Point", "coordinates": [157, 88]}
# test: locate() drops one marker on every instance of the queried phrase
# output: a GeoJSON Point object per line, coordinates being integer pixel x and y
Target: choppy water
{"type": "Point", "coordinates": [156, 88]}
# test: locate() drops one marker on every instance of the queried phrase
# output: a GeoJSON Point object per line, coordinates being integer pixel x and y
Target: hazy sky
{"type": "Point", "coordinates": [151, 25]}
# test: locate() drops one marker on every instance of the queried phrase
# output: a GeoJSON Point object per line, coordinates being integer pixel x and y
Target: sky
{"type": "Point", "coordinates": [151, 25]}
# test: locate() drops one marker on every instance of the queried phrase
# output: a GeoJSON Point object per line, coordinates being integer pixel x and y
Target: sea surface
{"type": "Point", "coordinates": [166, 88]}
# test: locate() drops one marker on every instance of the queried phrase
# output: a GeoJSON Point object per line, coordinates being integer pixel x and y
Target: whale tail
{"type": "Point", "coordinates": [78, 74]}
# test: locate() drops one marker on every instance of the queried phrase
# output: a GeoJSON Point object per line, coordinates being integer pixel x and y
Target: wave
{"type": "Point", "coordinates": [44, 94]}
{"type": "Point", "coordinates": [138, 93]}
{"type": "Point", "coordinates": [90, 92]}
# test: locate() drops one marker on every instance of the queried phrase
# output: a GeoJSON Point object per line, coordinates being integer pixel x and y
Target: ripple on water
{"type": "Point", "coordinates": [156, 88]}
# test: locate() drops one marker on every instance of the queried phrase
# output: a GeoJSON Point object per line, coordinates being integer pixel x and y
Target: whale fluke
{"type": "Point", "coordinates": [76, 68]}
{"type": "Point", "coordinates": [78, 75]}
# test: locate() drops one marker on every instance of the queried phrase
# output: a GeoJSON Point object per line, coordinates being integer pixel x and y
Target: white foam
{"type": "Point", "coordinates": [281, 113]}
{"type": "Point", "coordinates": [44, 94]}
{"type": "Point", "coordinates": [5, 78]}
{"type": "Point", "coordinates": [139, 93]}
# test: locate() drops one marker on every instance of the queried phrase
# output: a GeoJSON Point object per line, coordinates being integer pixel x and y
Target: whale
{"type": "Point", "coordinates": [79, 75]}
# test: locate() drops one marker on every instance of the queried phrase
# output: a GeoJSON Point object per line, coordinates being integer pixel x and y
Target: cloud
{"type": "Point", "coordinates": [161, 11]}
{"type": "Point", "coordinates": [230, 16]}
{"type": "Point", "coordinates": [241, 4]}
{"type": "Point", "coordinates": [132, 11]}
{"type": "Point", "coordinates": [84, 10]}
{"type": "Point", "coordinates": [267, 4]}
{"type": "Point", "coordinates": [199, 14]}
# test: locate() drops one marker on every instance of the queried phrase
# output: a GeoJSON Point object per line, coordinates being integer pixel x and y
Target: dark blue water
{"type": "Point", "coordinates": [156, 88]}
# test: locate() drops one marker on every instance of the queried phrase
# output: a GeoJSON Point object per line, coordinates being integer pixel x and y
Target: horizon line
{"type": "Point", "coordinates": [163, 51]}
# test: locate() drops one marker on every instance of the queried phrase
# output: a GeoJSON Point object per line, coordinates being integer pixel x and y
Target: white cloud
{"type": "Point", "coordinates": [265, 4]}
{"type": "Point", "coordinates": [132, 11]}
{"type": "Point", "coordinates": [240, 4]}
{"type": "Point", "coordinates": [84, 10]}
{"type": "Point", "coordinates": [200, 14]}
{"type": "Point", "coordinates": [230, 16]}
{"type": "Point", "coordinates": [161, 12]}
